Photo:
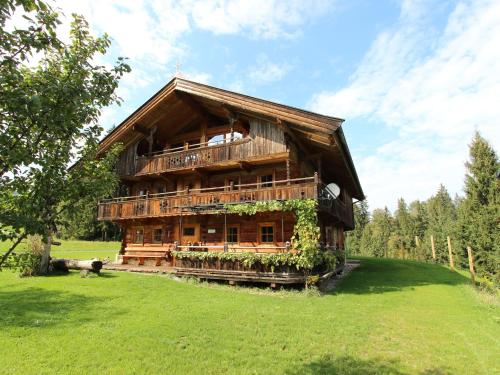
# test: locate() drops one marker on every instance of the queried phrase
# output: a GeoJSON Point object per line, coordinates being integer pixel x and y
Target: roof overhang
{"type": "Point", "coordinates": [320, 130]}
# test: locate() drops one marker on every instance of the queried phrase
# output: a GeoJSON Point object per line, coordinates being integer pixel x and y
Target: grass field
{"type": "Point", "coordinates": [75, 249]}
{"type": "Point", "coordinates": [387, 317]}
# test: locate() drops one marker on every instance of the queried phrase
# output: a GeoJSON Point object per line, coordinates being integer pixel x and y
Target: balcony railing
{"type": "Point", "coordinates": [208, 200]}
{"type": "Point", "coordinates": [197, 156]}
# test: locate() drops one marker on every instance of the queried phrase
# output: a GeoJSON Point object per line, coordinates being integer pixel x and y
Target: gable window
{"type": "Point", "coordinates": [232, 234]}
{"type": "Point", "coordinates": [216, 139]}
{"type": "Point", "coordinates": [157, 235]}
{"type": "Point", "coordinates": [266, 181]}
{"type": "Point", "coordinates": [139, 236]}
{"type": "Point", "coordinates": [266, 232]}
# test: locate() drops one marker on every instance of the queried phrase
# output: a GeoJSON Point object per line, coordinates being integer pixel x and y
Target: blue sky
{"type": "Point", "coordinates": [412, 79]}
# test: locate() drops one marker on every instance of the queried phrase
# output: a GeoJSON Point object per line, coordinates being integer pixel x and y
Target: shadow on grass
{"type": "Point", "coordinates": [101, 275]}
{"type": "Point", "coordinates": [42, 308]}
{"type": "Point", "coordinates": [349, 365]}
{"type": "Point", "coordinates": [389, 275]}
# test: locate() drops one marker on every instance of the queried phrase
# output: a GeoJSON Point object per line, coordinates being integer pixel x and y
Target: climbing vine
{"type": "Point", "coordinates": [307, 254]}
{"type": "Point", "coordinates": [306, 231]}
{"type": "Point", "coordinates": [247, 259]}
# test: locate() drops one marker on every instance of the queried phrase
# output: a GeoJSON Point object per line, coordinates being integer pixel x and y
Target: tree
{"type": "Point", "coordinates": [361, 219]}
{"type": "Point", "coordinates": [419, 217]}
{"type": "Point", "coordinates": [380, 228]}
{"type": "Point", "coordinates": [479, 211]}
{"type": "Point", "coordinates": [442, 215]}
{"type": "Point", "coordinates": [49, 118]}
{"type": "Point", "coordinates": [403, 228]}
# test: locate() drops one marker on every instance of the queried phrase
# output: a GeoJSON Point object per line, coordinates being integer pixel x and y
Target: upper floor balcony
{"type": "Point", "coordinates": [210, 200]}
{"type": "Point", "coordinates": [225, 153]}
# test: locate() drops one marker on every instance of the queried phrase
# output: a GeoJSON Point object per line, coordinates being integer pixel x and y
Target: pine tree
{"type": "Point", "coordinates": [442, 215]}
{"type": "Point", "coordinates": [419, 218]}
{"type": "Point", "coordinates": [381, 227]}
{"type": "Point", "coordinates": [361, 219]}
{"type": "Point", "coordinates": [479, 211]}
{"type": "Point", "coordinates": [403, 229]}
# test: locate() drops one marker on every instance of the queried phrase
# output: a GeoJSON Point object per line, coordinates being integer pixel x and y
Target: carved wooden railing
{"type": "Point", "coordinates": [212, 199]}
{"type": "Point", "coordinates": [202, 155]}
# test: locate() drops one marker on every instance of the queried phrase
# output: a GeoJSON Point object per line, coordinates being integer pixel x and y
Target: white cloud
{"type": "Point", "coordinates": [197, 76]}
{"type": "Point", "coordinates": [433, 90]}
{"type": "Point", "coordinates": [266, 71]}
{"type": "Point", "coordinates": [150, 32]}
{"type": "Point", "coordinates": [257, 18]}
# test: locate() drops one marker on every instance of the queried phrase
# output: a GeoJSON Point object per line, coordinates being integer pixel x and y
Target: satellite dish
{"type": "Point", "coordinates": [333, 189]}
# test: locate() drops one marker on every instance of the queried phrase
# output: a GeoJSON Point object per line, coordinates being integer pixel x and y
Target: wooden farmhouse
{"type": "Point", "coordinates": [214, 185]}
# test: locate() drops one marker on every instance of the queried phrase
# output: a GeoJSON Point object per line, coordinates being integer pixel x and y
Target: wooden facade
{"type": "Point", "coordinates": [193, 149]}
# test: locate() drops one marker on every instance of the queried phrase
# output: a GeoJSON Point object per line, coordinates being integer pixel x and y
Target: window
{"type": "Point", "coordinates": [157, 235]}
{"type": "Point", "coordinates": [266, 233]}
{"type": "Point", "coordinates": [231, 183]}
{"type": "Point", "coordinates": [139, 236]}
{"type": "Point", "coordinates": [216, 139]}
{"type": "Point", "coordinates": [142, 147]}
{"type": "Point", "coordinates": [188, 231]}
{"type": "Point", "coordinates": [266, 181]}
{"type": "Point", "coordinates": [232, 234]}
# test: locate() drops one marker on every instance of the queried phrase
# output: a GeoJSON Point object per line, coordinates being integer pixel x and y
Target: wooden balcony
{"type": "Point", "coordinates": [210, 200]}
{"type": "Point", "coordinates": [201, 155]}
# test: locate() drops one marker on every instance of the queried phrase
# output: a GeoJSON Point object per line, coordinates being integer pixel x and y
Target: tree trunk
{"type": "Point", "coordinates": [75, 264]}
{"type": "Point", "coordinates": [44, 263]}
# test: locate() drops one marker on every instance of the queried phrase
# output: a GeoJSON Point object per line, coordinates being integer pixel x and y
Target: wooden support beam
{"type": "Point", "coordinates": [203, 131]}
{"type": "Point", "coordinates": [319, 166]}
{"type": "Point", "coordinates": [288, 171]}
{"type": "Point", "coordinates": [140, 129]}
{"type": "Point", "coordinates": [231, 115]}
{"type": "Point", "coordinates": [286, 129]}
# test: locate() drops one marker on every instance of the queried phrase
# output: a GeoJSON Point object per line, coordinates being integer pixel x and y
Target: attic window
{"type": "Point", "coordinates": [221, 138]}
{"type": "Point", "coordinates": [216, 139]}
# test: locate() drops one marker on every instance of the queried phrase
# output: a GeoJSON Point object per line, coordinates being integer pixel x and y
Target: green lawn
{"type": "Point", "coordinates": [387, 317]}
{"type": "Point", "coordinates": [75, 249]}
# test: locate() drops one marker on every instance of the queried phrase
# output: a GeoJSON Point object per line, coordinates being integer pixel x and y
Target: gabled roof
{"type": "Point", "coordinates": [319, 130]}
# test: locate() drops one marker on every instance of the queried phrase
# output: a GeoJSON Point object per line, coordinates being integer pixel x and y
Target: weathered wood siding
{"type": "Point", "coordinates": [248, 226]}
{"type": "Point", "coordinates": [264, 140]}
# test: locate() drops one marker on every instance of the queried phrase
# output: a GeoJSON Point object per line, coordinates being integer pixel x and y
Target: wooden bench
{"type": "Point", "coordinates": [145, 252]}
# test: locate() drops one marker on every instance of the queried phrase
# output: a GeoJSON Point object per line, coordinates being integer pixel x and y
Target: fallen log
{"type": "Point", "coordinates": [75, 264]}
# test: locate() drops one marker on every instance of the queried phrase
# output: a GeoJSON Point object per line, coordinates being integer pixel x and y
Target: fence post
{"type": "Point", "coordinates": [417, 248]}
{"type": "Point", "coordinates": [450, 253]}
{"type": "Point", "coordinates": [471, 265]}
{"type": "Point", "coordinates": [433, 248]}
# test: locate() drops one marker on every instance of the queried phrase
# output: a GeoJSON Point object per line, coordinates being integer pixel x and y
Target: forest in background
{"type": "Point", "coordinates": [472, 219]}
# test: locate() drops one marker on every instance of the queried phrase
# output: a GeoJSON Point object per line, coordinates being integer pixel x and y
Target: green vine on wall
{"type": "Point", "coordinates": [306, 232]}
{"type": "Point", "coordinates": [305, 240]}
